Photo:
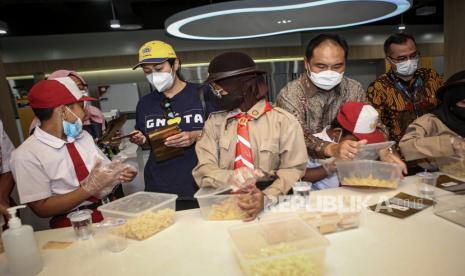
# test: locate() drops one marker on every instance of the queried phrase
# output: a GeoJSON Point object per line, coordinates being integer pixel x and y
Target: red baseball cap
{"type": "Point", "coordinates": [361, 120]}
{"type": "Point", "coordinates": [56, 92]}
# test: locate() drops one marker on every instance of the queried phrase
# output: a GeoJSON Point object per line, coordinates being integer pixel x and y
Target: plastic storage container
{"type": "Point", "coordinates": [367, 173]}
{"type": "Point", "coordinates": [371, 151]}
{"type": "Point", "coordinates": [330, 222]}
{"type": "Point", "coordinates": [454, 166]}
{"type": "Point", "coordinates": [451, 207]}
{"type": "Point", "coordinates": [146, 213]}
{"type": "Point", "coordinates": [286, 246]}
{"type": "Point", "coordinates": [219, 204]}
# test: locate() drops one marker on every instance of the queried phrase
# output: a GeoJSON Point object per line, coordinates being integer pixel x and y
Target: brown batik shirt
{"type": "Point", "coordinates": [315, 108]}
{"type": "Point", "coordinates": [398, 110]}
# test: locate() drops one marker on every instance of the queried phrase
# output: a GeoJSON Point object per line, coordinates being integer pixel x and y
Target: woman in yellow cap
{"type": "Point", "coordinates": [172, 101]}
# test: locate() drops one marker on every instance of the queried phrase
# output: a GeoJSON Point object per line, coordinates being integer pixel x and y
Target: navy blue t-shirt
{"type": "Point", "coordinates": [174, 175]}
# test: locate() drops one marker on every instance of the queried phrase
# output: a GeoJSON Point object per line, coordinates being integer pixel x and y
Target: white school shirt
{"type": "Point", "coordinates": [42, 166]}
{"type": "Point", "coordinates": [331, 181]}
{"type": "Point", "coordinates": [6, 148]}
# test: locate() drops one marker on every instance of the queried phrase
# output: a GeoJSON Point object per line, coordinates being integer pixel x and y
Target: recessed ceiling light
{"type": "Point", "coordinates": [428, 36]}
{"type": "Point", "coordinates": [131, 27]}
{"type": "Point", "coordinates": [114, 23]}
{"type": "Point", "coordinates": [367, 38]}
{"type": "Point", "coordinates": [426, 10]}
{"type": "Point", "coordinates": [3, 28]}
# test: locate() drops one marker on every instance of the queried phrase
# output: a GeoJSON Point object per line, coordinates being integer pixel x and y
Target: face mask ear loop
{"type": "Point", "coordinates": [72, 113]}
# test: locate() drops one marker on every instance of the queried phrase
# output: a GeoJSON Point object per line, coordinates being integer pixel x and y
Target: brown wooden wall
{"type": "Point", "coordinates": [454, 36]}
{"type": "Point", "coordinates": [113, 62]}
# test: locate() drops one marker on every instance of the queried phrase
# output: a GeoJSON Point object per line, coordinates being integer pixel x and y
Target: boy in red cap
{"type": "Point", "coordinates": [59, 168]}
{"type": "Point", "coordinates": [356, 121]}
{"type": "Point", "coordinates": [94, 122]}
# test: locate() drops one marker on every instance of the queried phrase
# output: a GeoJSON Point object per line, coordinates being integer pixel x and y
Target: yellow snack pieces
{"type": "Point", "coordinates": [227, 210]}
{"type": "Point", "coordinates": [295, 265]}
{"type": "Point", "coordinates": [369, 181]}
{"type": "Point", "coordinates": [148, 224]}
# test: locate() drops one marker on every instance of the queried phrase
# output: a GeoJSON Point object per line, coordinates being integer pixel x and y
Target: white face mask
{"type": "Point", "coordinates": [407, 68]}
{"type": "Point", "coordinates": [326, 80]}
{"type": "Point", "coordinates": [162, 81]}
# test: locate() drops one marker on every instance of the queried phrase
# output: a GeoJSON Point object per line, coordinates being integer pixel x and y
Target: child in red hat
{"type": "Point", "coordinates": [358, 122]}
{"type": "Point", "coordinates": [59, 168]}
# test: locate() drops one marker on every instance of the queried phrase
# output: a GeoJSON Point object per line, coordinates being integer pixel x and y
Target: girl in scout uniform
{"type": "Point", "coordinates": [257, 148]}
{"type": "Point", "coordinates": [442, 131]}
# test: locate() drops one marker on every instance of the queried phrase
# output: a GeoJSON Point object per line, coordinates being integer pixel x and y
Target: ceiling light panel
{"type": "Point", "coordinates": [258, 18]}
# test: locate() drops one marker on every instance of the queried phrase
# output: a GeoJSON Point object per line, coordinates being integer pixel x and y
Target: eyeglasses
{"type": "Point", "coordinates": [166, 105]}
{"type": "Point", "coordinates": [400, 59]}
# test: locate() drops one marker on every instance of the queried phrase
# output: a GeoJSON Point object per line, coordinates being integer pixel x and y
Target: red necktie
{"type": "Point", "coordinates": [79, 166]}
{"type": "Point", "coordinates": [243, 148]}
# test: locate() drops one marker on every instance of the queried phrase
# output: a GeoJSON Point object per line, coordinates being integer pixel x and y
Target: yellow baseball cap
{"type": "Point", "coordinates": [155, 51]}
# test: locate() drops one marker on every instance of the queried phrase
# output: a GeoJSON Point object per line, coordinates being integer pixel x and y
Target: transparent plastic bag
{"type": "Point", "coordinates": [119, 163]}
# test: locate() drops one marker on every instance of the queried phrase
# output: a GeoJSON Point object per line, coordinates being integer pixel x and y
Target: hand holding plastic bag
{"type": "Point", "coordinates": [244, 178]}
{"type": "Point", "coordinates": [126, 173]}
{"type": "Point", "coordinates": [101, 177]}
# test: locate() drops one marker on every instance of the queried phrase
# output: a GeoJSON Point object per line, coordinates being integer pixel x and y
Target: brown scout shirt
{"type": "Point", "coordinates": [315, 109]}
{"type": "Point", "coordinates": [277, 143]}
{"type": "Point", "coordinates": [427, 137]}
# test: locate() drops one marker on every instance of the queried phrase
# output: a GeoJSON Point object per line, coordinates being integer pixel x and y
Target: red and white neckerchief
{"type": "Point", "coordinates": [243, 148]}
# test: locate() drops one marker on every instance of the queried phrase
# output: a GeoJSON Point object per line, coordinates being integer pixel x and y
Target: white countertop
{"type": "Point", "coordinates": [422, 244]}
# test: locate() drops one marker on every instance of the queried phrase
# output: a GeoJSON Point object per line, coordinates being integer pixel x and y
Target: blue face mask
{"type": "Point", "coordinates": [72, 130]}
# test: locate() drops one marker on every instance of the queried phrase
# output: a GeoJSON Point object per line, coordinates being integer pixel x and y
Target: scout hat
{"type": "Point", "coordinates": [155, 52]}
{"type": "Point", "coordinates": [361, 120]}
{"type": "Point", "coordinates": [231, 64]}
{"type": "Point", "coordinates": [456, 80]}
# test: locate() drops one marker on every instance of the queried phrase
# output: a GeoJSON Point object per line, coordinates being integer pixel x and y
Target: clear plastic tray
{"type": "Point", "coordinates": [454, 166]}
{"type": "Point", "coordinates": [331, 222]}
{"type": "Point", "coordinates": [146, 213]}
{"type": "Point", "coordinates": [136, 204]}
{"type": "Point", "coordinates": [367, 173]}
{"type": "Point", "coordinates": [285, 246]}
{"type": "Point", "coordinates": [451, 207]}
{"type": "Point", "coordinates": [219, 204]}
{"type": "Point", "coordinates": [371, 151]}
